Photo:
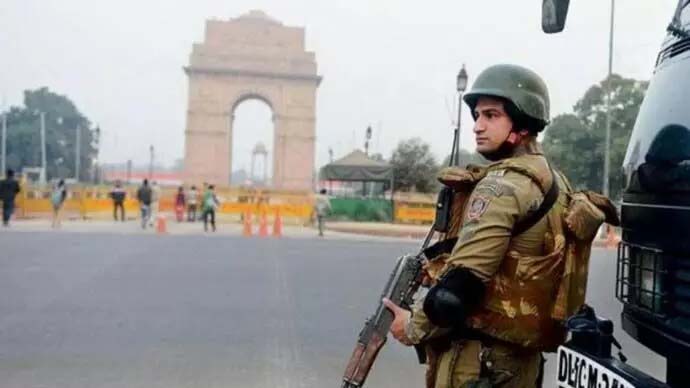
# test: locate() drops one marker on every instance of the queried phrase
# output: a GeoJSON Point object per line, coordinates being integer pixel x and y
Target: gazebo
{"type": "Point", "coordinates": [358, 167]}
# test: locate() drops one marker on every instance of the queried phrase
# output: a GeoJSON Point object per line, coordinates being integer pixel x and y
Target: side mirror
{"type": "Point", "coordinates": [553, 15]}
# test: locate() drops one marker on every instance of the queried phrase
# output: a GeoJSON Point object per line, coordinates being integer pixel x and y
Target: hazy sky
{"type": "Point", "coordinates": [386, 63]}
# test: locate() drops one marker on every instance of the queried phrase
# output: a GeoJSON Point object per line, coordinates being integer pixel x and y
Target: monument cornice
{"type": "Point", "coordinates": [189, 70]}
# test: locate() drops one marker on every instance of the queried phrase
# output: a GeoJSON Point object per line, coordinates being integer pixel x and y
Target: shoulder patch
{"type": "Point", "coordinates": [495, 187]}
{"type": "Point", "coordinates": [478, 206]}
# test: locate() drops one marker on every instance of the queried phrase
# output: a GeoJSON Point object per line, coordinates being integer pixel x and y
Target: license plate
{"type": "Point", "coordinates": [576, 370]}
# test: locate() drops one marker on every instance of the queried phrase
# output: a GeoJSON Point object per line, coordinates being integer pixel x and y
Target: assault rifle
{"type": "Point", "coordinates": [402, 284]}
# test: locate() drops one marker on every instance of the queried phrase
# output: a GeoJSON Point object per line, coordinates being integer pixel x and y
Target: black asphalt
{"type": "Point", "coordinates": [99, 310]}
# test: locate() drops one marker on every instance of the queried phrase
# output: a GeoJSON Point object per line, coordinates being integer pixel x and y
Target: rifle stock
{"type": "Point", "coordinates": [402, 284]}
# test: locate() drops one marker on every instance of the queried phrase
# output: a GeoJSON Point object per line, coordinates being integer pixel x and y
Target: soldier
{"type": "Point", "coordinates": [487, 317]}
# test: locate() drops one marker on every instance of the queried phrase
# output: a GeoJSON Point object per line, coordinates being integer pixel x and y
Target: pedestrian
{"type": "Point", "coordinates": [179, 204]}
{"type": "Point", "coordinates": [192, 203]}
{"type": "Point", "coordinates": [144, 196]}
{"type": "Point", "coordinates": [208, 207]}
{"type": "Point", "coordinates": [489, 310]}
{"type": "Point", "coordinates": [9, 188]}
{"type": "Point", "coordinates": [322, 207]}
{"type": "Point", "coordinates": [155, 202]}
{"type": "Point", "coordinates": [118, 195]}
{"type": "Point", "coordinates": [57, 199]}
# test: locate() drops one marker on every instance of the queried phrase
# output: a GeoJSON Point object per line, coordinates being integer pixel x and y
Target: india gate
{"type": "Point", "coordinates": [251, 57]}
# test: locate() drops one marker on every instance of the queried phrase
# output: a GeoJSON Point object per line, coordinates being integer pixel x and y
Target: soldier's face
{"type": "Point", "coordinates": [492, 124]}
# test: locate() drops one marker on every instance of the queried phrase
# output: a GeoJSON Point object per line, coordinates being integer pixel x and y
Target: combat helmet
{"type": "Point", "coordinates": [521, 86]}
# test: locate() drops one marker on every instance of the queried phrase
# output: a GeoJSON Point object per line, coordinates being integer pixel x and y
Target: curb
{"type": "Point", "coordinates": [598, 243]}
{"type": "Point", "coordinates": [379, 232]}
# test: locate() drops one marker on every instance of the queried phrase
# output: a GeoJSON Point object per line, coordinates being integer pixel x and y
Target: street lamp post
{"type": "Point", "coordinates": [129, 170]}
{"type": "Point", "coordinates": [4, 143]}
{"type": "Point", "coordinates": [77, 152]}
{"type": "Point", "coordinates": [607, 147]}
{"type": "Point", "coordinates": [95, 175]}
{"type": "Point", "coordinates": [43, 148]}
{"type": "Point", "coordinates": [461, 86]}
{"type": "Point", "coordinates": [151, 155]}
{"type": "Point", "coordinates": [366, 143]}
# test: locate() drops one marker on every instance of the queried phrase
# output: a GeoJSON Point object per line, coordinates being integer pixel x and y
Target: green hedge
{"type": "Point", "coordinates": [362, 209]}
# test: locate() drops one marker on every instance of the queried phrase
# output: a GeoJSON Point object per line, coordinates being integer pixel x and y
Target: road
{"type": "Point", "coordinates": [127, 310]}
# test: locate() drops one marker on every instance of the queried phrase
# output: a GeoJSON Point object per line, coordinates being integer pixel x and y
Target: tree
{"type": "Point", "coordinates": [414, 166]}
{"type": "Point", "coordinates": [377, 157]}
{"type": "Point", "coordinates": [466, 157]}
{"type": "Point", "coordinates": [575, 142]}
{"type": "Point", "coordinates": [61, 120]}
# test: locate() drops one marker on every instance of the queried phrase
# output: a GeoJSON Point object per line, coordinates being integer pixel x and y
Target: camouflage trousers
{"type": "Point", "coordinates": [470, 364]}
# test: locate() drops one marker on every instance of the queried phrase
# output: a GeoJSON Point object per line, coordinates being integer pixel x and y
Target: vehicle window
{"type": "Point", "coordinates": [685, 13]}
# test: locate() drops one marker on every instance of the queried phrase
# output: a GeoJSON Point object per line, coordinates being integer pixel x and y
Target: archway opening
{"type": "Point", "coordinates": [252, 143]}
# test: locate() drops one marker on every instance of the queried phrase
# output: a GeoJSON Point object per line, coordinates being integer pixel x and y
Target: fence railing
{"type": "Point", "coordinates": [94, 202]}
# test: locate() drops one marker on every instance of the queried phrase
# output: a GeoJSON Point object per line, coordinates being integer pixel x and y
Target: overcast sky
{"type": "Point", "coordinates": [390, 64]}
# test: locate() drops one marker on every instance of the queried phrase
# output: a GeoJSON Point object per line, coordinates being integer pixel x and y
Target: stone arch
{"type": "Point", "coordinates": [245, 96]}
{"type": "Point", "coordinates": [235, 136]}
{"type": "Point", "coordinates": [251, 57]}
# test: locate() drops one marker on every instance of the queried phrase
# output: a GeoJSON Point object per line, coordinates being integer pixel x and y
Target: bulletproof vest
{"type": "Point", "coordinates": [529, 297]}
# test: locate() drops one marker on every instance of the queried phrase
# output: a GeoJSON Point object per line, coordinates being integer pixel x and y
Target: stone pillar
{"type": "Point", "coordinates": [293, 152]}
{"type": "Point", "coordinates": [207, 147]}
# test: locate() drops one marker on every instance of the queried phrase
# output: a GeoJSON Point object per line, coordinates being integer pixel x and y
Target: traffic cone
{"type": "Point", "coordinates": [161, 224]}
{"type": "Point", "coordinates": [277, 225]}
{"type": "Point", "coordinates": [611, 239]}
{"type": "Point", "coordinates": [263, 225]}
{"type": "Point", "coordinates": [247, 232]}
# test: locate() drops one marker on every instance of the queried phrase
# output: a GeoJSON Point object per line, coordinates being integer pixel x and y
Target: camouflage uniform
{"type": "Point", "coordinates": [534, 278]}
{"type": "Point", "coordinates": [522, 274]}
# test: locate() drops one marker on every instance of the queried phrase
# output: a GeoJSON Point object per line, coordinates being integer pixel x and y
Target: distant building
{"type": "Point", "coordinates": [136, 177]}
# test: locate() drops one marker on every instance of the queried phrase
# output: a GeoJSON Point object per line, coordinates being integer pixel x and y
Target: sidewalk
{"type": "Point", "coordinates": [380, 229]}
{"type": "Point", "coordinates": [355, 231]}
{"type": "Point", "coordinates": [416, 232]}
{"type": "Point", "coordinates": [174, 228]}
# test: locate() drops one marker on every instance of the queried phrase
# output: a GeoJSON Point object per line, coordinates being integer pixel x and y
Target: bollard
{"type": "Point", "coordinates": [247, 231]}
{"type": "Point", "coordinates": [161, 224]}
{"type": "Point", "coordinates": [277, 225]}
{"type": "Point", "coordinates": [611, 239]}
{"type": "Point", "coordinates": [263, 225]}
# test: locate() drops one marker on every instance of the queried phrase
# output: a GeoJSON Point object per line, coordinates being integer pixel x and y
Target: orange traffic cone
{"type": "Point", "coordinates": [263, 225]}
{"type": "Point", "coordinates": [611, 239]}
{"type": "Point", "coordinates": [161, 225]}
{"type": "Point", "coordinates": [277, 225]}
{"type": "Point", "coordinates": [247, 232]}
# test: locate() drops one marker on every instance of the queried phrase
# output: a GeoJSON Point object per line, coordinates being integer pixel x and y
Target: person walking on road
{"type": "Point", "coordinates": [322, 207]}
{"type": "Point", "coordinates": [144, 195]}
{"type": "Point", "coordinates": [57, 199]}
{"type": "Point", "coordinates": [180, 201]}
{"type": "Point", "coordinates": [192, 203]}
{"type": "Point", "coordinates": [118, 195]}
{"type": "Point", "coordinates": [9, 188]}
{"type": "Point", "coordinates": [208, 207]}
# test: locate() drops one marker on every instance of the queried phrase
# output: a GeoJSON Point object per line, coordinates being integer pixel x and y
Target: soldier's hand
{"type": "Point", "coordinates": [401, 317]}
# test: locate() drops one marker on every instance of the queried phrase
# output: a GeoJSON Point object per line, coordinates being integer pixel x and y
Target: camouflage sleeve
{"type": "Point", "coordinates": [498, 201]}
{"type": "Point", "coordinates": [419, 328]}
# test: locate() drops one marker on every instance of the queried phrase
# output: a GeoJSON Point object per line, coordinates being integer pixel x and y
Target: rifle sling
{"type": "Point", "coordinates": [532, 218]}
